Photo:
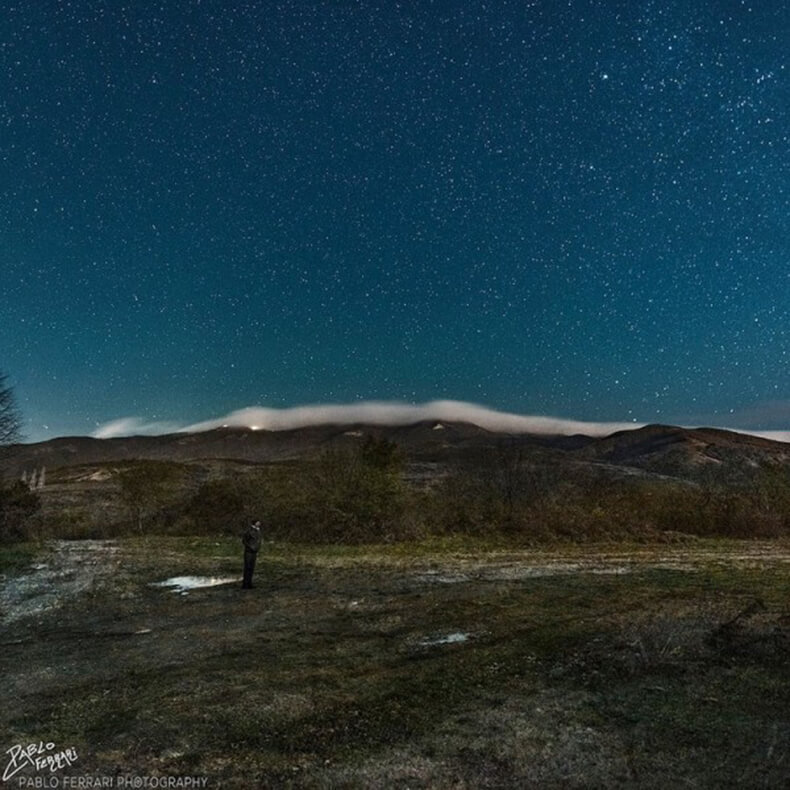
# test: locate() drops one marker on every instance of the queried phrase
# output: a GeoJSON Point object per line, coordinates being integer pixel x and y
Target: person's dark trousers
{"type": "Point", "coordinates": [249, 567]}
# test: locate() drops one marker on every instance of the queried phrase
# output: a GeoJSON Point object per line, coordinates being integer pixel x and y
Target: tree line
{"type": "Point", "coordinates": [365, 495]}
{"type": "Point", "coordinates": [18, 504]}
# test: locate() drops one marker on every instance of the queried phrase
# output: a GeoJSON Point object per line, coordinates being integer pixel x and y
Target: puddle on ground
{"type": "Point", "coordinates": [183, 584]}
{"type": "Point", "coordinates": [448, 639]}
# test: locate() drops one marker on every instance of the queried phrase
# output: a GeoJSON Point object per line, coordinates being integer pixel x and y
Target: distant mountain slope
{"type": "Point", "coordinates": [241, 444]}
{"type": "Point", "coordinates": [685, 452]}
{"type": "Point", "coordinates": [660, 450]}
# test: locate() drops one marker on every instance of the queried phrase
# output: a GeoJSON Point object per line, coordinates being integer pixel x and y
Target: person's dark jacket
{"type": "Point", "coordinates": [252, 539]}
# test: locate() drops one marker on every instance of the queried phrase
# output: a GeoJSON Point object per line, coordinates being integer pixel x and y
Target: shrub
{"type": "Point", "coordinates": [148, 489]}
{"type": "Point", "coordinates": [218, 505]}
{"type": "Point", "coordinates": [18, 505]}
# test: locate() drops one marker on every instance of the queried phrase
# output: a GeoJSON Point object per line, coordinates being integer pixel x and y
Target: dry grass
{"type": "Point", "coordinates": [336, 671]}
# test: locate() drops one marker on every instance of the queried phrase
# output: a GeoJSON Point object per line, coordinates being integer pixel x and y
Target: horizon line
{"type": "Point", "coordinates": [394, 413]}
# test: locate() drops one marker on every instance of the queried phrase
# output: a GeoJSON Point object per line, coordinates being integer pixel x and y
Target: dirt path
{"type": "Point", "coordinates": [67, 569]}
{"type": "Point", "coordinates": [596, 561]}
{"type": "Point", "coordinates": [71, 568]}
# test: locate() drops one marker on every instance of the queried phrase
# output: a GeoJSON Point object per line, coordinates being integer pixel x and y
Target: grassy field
{"type": "Point", "coordinates": [433, 665]}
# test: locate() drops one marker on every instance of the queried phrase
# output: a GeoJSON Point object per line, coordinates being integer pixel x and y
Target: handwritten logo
{"type": "Point", "coordinates": [38, 756]}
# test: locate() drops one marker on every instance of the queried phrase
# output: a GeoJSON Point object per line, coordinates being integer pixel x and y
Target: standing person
{"type": "Point", "coordinates": [252, 544]}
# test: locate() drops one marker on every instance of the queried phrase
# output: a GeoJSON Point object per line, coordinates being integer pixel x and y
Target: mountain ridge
{"type": "Point", "coordinates": [662, 449]}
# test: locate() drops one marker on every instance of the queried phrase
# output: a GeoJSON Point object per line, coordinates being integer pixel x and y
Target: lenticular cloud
{"type": "Point", "coordinates": [133, 426]}
{"type": "Point", "coordinates": [371, 413]}
{"type": "Point", "coordinates": [393, 413]}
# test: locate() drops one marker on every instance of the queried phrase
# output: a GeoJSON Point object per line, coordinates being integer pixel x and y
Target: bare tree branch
{"type": "Point", "coordinates": [10, 421]}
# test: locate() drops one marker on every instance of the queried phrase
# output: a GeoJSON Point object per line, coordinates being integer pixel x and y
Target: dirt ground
{"type": "Point", "coordinates": [421, 667]}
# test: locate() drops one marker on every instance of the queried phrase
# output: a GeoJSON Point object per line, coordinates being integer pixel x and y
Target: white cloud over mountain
{"type": "Point", "coordinates": [134, 426]}
{"type": "Point", "coordinates": [370, 412]}
{"type": "Point", "coordinates": [389, 413]}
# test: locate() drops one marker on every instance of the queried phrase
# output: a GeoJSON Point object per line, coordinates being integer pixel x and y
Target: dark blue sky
{"type": "Point", "coordinates": [565, 208]}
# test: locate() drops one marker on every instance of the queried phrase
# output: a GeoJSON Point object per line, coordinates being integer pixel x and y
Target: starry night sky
{"type": "Point", "coordinates": [566, 208]}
